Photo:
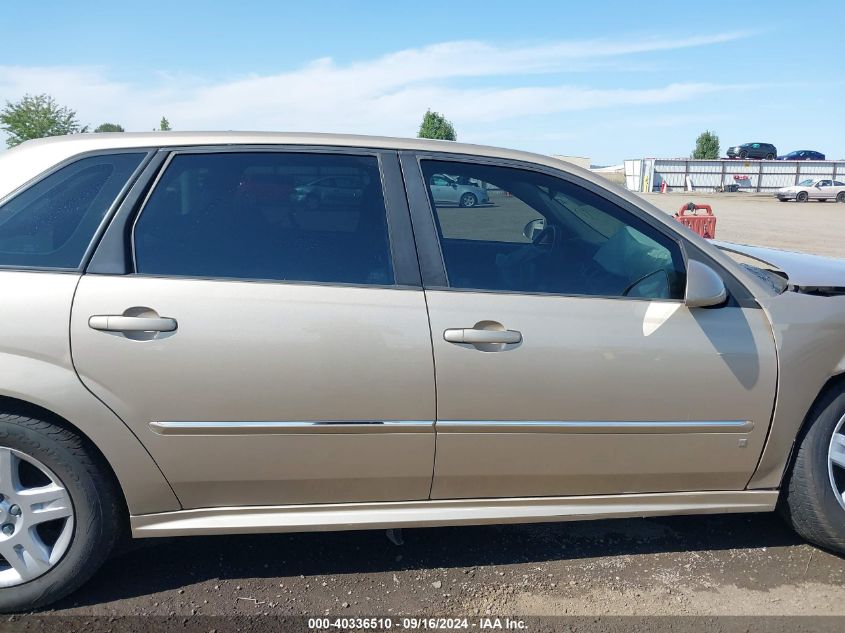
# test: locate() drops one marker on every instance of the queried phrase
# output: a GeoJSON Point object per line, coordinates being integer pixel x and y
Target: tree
{"type": "Point", "coordinates": [706, 146]}
{"type": "Point", "coordinates": [164, 125]}
{"type": "Point", "coordinates": [36, 117]}
{"type": "Point", "coordinates": [109, 127]}
{"type": "Point", "coordinates": [435, 125]}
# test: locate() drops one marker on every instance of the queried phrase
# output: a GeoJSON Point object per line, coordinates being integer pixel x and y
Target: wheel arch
{"type": "Point", "coordinates": [16, 406]}
{"type": "Point", "coordinates": [142, 485]}
{"type": "Point", "coordinates": [835, 384]}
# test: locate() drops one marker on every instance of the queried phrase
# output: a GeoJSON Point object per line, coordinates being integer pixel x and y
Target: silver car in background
{"type": "Point", "coordinates": [821, 189]}
{"type": "Point", "coordinates": [446, 190]}
{"type": "Point", "coordinates": [223, 333]}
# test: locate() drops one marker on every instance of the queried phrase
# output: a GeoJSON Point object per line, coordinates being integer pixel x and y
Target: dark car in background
{"type": "Point", "coordinates": [765, 151]}
{"type": "Point", "coordinates": [802, 154]}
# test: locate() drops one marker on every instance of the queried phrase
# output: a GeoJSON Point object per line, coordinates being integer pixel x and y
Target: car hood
{"type": "Point", "coordinates": [805, 272]}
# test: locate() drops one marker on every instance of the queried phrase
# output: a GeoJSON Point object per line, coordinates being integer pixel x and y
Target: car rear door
{"type": "Point", "coordinates": [266, 350]}
{"type": "Point", "coordinates": [568, 364]}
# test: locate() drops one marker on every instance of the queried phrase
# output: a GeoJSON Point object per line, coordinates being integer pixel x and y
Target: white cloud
{"type": "Point", "coordinates": [385, 95]}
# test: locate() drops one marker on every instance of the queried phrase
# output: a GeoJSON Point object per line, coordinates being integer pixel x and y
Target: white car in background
{"type": "Point", "coordinates": [821, 189]}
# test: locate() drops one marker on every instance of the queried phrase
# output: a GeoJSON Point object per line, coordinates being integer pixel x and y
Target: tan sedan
{"type": "Point", "coordinates": [821, 189]}
{"type": "Point", "coordinates": [190, 345]}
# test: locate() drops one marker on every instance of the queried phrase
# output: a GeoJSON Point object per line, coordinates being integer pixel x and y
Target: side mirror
{"type": "Point", "coordinates": [534, 228]}
{"type": "Point", "coordinates": [454, 185]}
{"type": "Point", "coordinates": [704, 286]}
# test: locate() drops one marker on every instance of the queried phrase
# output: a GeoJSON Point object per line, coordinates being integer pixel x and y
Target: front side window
{"type": "Point", "coordinates": [267, 215]}
{"type": "Point", "coordinates": [51, 224]}
{"type": "Point", "coordinates": [538, 233]}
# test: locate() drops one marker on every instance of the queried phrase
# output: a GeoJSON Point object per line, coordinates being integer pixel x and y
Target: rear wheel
{"type": "Point", "coordinates": [815, 490]}
{"type": "Point", "coordinates": [58, 513]}
{"type": "Point", "coordinates": [802, 196]}
{"type": "Point", "coordinates": [468, 200]}
{"type": "Point", "coordinates": [840, 197]}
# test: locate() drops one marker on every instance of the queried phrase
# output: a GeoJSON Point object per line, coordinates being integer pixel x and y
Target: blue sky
{"type": "Point", "coordinates": [608, 80]}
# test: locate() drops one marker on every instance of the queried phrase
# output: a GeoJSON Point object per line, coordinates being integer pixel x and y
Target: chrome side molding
{"type": "Point", "coordinates": [287, 428]}
{"type": "Point", "coordinates": [567, 426]}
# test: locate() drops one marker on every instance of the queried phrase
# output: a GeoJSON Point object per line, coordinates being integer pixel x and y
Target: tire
{"type": "Point", "coordinates": [90, 498]}
{"type": "Point", "coordinates": [468, 200]}
{"type": "Point", "coordinates": [810, 502]}
{"type": "Point", "coordinates": [770, 156]}
{"type": "Point", "coordinates": [840, 197]}
{"type": "Point", "coordinates": [743, 154]}
{"type": "Point", "coordinates": [801, 196]}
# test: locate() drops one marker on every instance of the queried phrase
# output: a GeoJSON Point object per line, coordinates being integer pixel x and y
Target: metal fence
{"type": "Point", "coordinates": [649, 174]}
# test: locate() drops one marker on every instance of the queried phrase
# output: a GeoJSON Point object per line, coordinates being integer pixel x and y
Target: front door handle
{"type": "Point", "coordinates": [475, 336]}
{"type": "Point", "coordinates": [121, 323]}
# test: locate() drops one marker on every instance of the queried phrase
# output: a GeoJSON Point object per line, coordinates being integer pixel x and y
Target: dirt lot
{"type": "Point", "coordinates": [811, 227]}
{"type": "Point", "coordinates": [739, 565]}
{"type": "Point", "coordinates": [742, 564]}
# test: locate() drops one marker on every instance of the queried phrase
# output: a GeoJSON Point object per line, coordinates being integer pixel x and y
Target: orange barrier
{"type": "Point", "coordinates": [704, 225]}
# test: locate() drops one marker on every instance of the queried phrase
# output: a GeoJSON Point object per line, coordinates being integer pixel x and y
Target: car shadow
{"type": "Point", "coordinates": [159, 565]}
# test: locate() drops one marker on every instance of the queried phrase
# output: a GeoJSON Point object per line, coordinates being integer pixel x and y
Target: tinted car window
{"type": "Point", "coordinates": [538, 233]}
{"type": "Point", "coordinates": [267, 215]}
{"type": "Point", "coordinates": [51, 224]}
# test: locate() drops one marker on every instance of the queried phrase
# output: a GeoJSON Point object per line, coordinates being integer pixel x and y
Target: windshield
{"type": "Point", "coordinates": [806, 183]}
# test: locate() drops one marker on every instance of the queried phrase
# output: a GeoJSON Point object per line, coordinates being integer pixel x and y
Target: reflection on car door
{"type": "Point", "coordinates": [559, 373]}
{"type": "Point", "coordinates": [823, 190]}
{"type": "Point", "coordinates": [265, 353]}
{"type": "Point", "coordinates": [443, 189]}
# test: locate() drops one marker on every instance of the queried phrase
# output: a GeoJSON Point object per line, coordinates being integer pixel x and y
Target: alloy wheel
{"type": "Point", "coordinates": [836, 461]}
{"type": "Point", "coordinates": [36, 518]}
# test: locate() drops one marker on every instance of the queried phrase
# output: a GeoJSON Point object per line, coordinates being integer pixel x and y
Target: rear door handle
{"type": "Point", "coordinates": [120, 323]}
{"type": "Point", "coordinates": [475, 336]}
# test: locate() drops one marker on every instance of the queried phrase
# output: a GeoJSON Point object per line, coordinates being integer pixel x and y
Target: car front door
{"type": "Point", "coordinates": [443, 189]}
{"type": "Point", "coordinates": [266, 351]}
{"type": "Point", "coordinates": [823, 190]}
{"type": "Point", "coordinates": [566, 360]}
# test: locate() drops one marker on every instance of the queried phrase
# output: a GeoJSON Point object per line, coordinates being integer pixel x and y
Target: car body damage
{"type": "Point", "coordinates": [804, 273]}
{"type": "Point", "coordinates": [808, 323]}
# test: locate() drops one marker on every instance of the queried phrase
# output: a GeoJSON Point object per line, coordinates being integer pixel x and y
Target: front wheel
{"type": "Point", "coordinates": [770, 156]}
{"type": "Point", "coordinates": [59, 514]}
{"type": "Point", "coordinates": [468, 200]}
{"type": "Point", "coordinates": [815, 492]}
{"type": "Point", "coordinates": [802, 196]}
{"type": "Point", "coordinates": [840, 197]}
{"type": "Point", "coordinates": [743, 154]}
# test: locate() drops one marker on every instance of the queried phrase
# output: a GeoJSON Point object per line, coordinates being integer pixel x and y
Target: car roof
{"type": "Point", "coordinates": [18, 164]}
{"type": "Point", "coordinates": [72, 144]}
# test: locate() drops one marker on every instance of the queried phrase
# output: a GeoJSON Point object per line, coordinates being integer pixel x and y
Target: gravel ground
{"type": "Point", "coordinates": [727, 565]}
{"type": "Point", "coordinates": [810, 227]}
{"type": "Point", "coordinates": [712, 565]}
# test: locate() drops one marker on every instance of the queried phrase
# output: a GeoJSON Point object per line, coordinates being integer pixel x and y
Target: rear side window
{"type": "Point", "coordinates": [267, 215]}
{"type": "Point", "coordinates": [51, 224]}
